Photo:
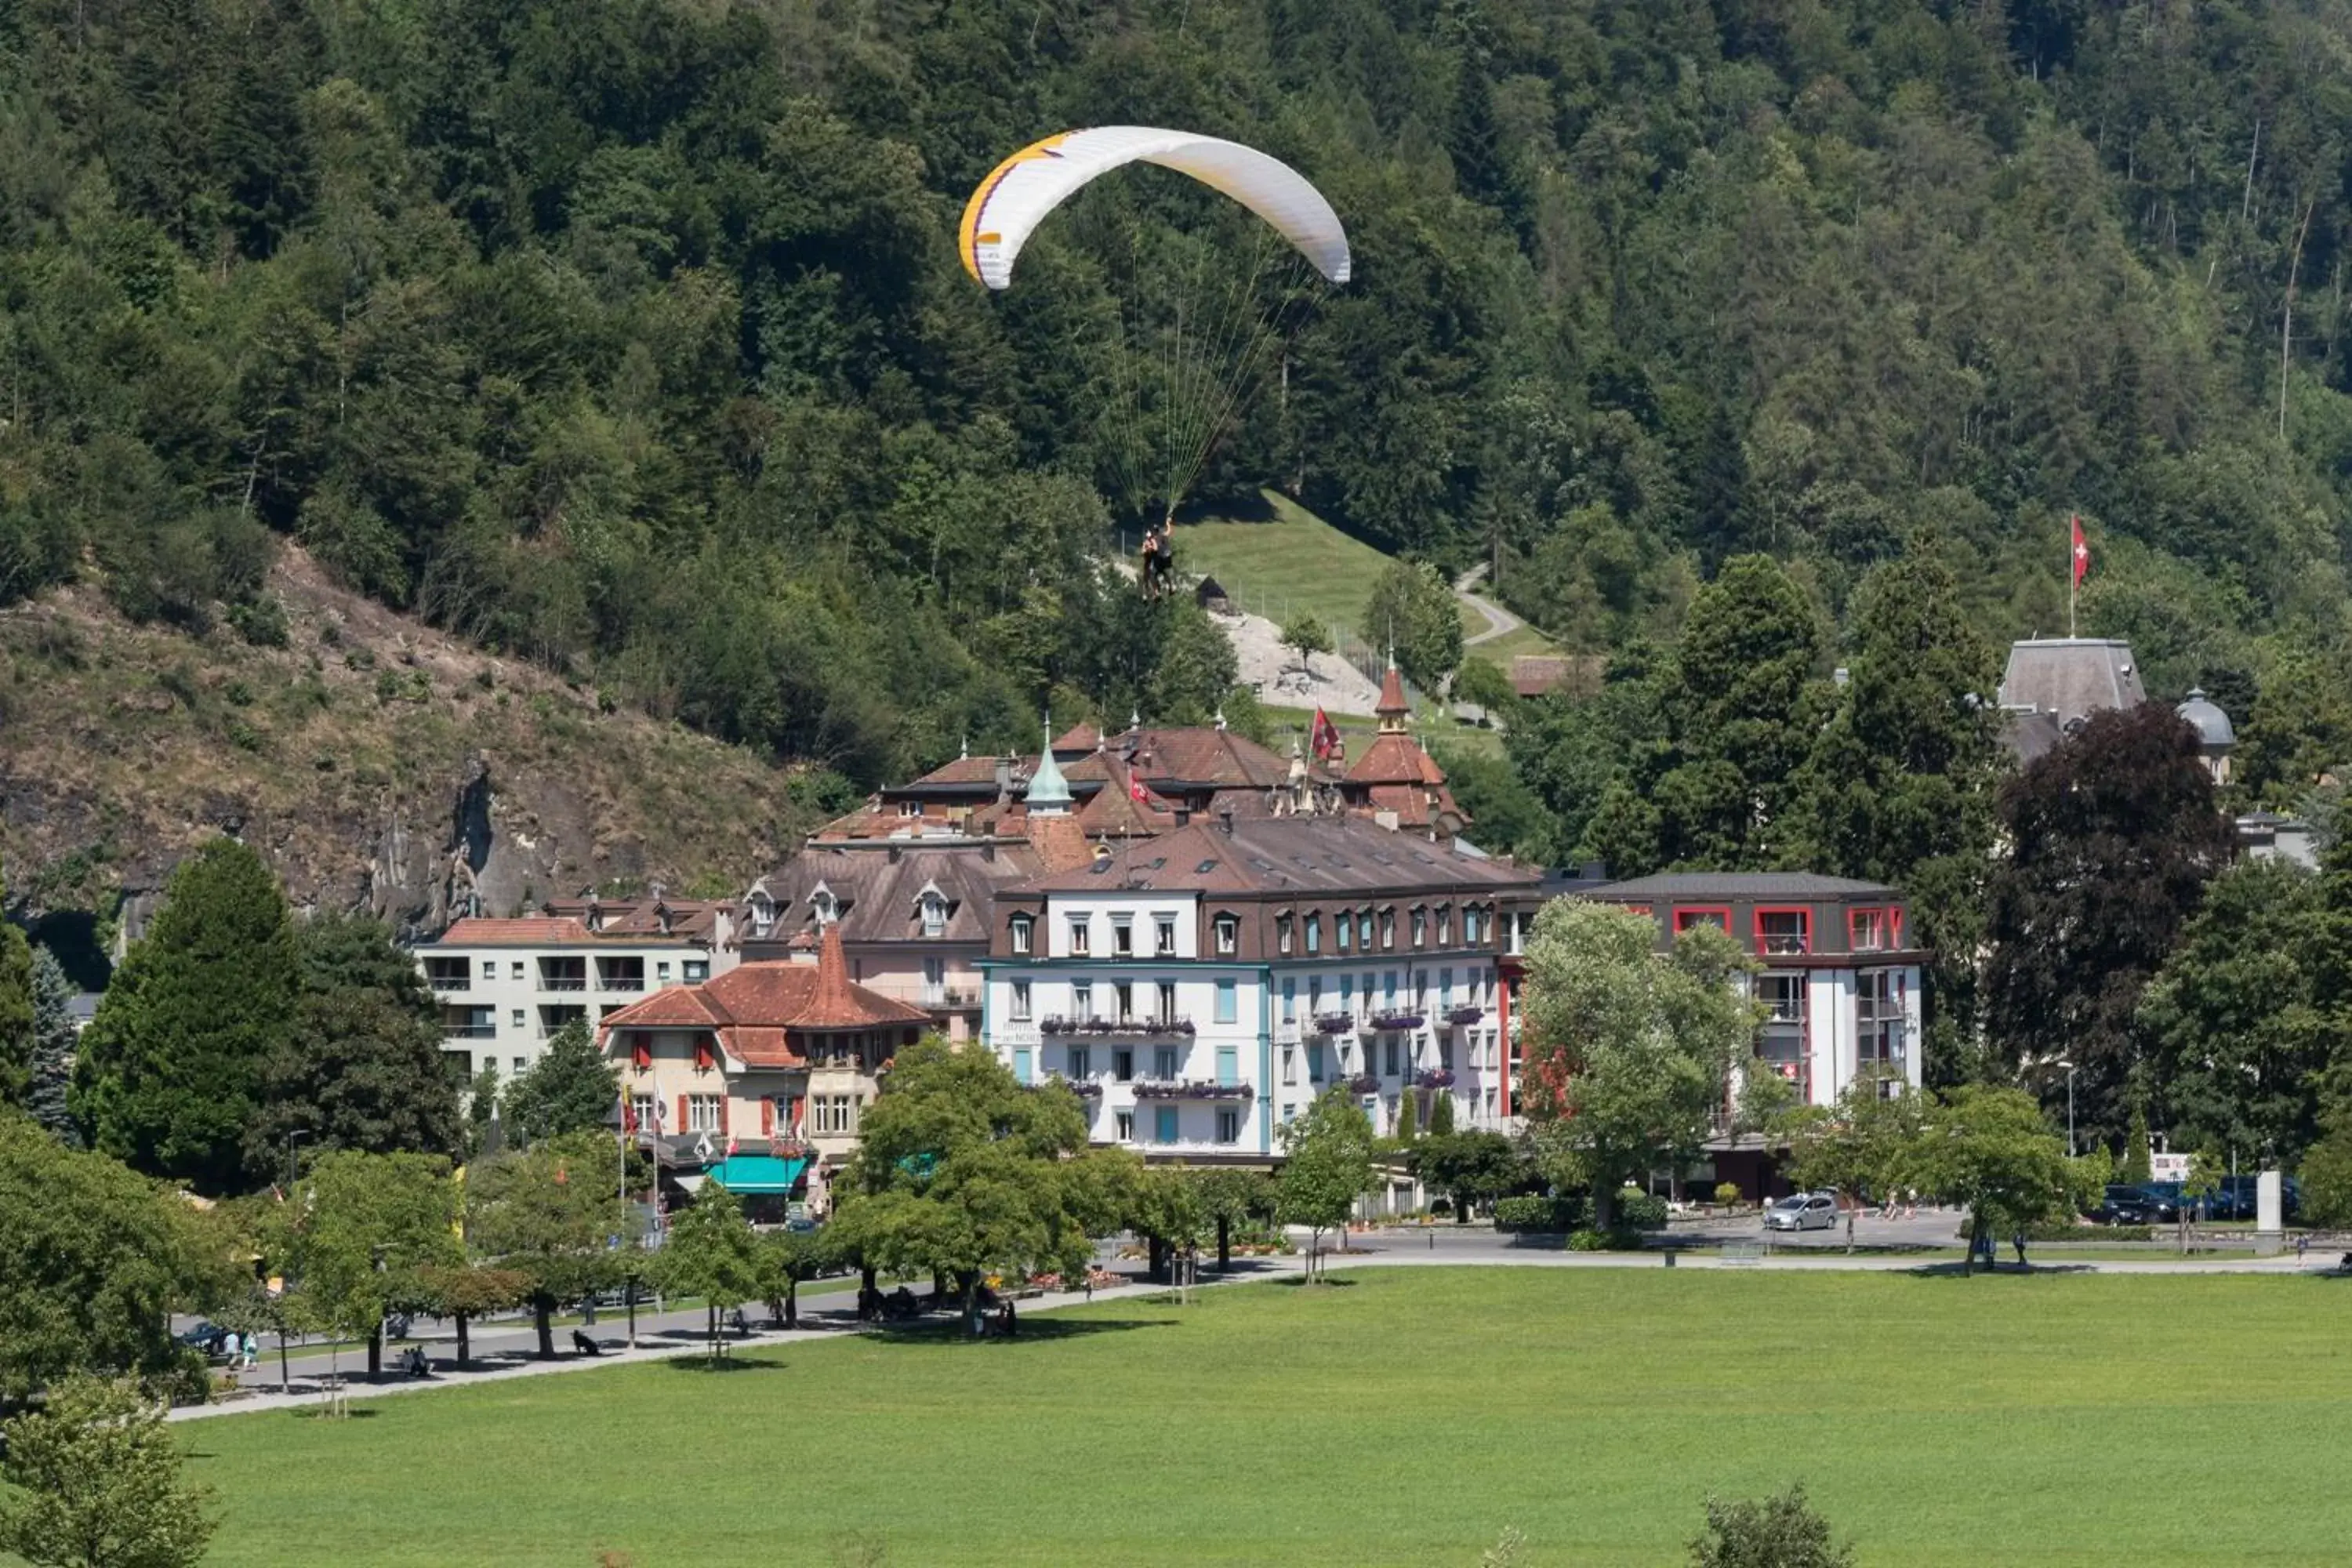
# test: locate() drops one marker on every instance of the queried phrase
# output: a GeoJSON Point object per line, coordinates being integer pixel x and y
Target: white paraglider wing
{"type": "Point", "coordinates": [1020, 191]}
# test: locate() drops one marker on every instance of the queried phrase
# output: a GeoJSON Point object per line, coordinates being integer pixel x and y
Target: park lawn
{"type": "Point", "coordinates": [1402, 1417]}
{"type": "Point", "coordinates": [1290, 562]}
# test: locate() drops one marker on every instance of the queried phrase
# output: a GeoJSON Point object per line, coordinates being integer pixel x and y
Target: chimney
{"type": "Point", "coordinates": [988, 846]}
{"type": "Point", "coordinates": [895, 852]}
{"type": "Point", "coordinates": [1004, 778]}
{"type": "Point", "coordinates": [1184, 816]}
{"type": "Point", "coordinates": [1225, 820]}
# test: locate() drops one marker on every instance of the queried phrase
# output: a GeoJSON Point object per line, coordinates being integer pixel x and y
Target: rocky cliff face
{"type": "Point", "coordinates": [377, 763]}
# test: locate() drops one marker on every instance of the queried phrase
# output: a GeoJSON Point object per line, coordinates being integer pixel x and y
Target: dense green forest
{"type": "Point", "coordinates": [630, 335]}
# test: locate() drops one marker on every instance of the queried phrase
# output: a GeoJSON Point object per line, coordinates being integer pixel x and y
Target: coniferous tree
{"type": "Point", "coordinates": [53, 1049]}
{"type": "Point", "coordinates": [167, 1074]}
{"type": "Point", "coordinates": [17, 1029]}
{"type": "Point", "coordinates": [570, 1089]}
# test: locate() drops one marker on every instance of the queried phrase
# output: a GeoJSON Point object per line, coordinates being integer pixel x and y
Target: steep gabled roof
{"type": "Point", "coordinates": [1287, 854]}
{"type": "Point", "coordinates": [880, 890]}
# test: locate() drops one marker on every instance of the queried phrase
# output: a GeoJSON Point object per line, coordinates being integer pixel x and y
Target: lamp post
{"type": "Point", "coordinates": [618, 1120]}
{"type": "Point", "coordinates": [292, 1137]}
{"type": "Point", "coordinates": [2062, 1062]}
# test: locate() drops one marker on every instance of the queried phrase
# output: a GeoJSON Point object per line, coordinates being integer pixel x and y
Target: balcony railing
{"type": "Point", "coordinates": [1115, 1028]}
{"type": "Point", "coordinates": [1083, 1087]}
{"type": "Point", "coordinates": [1464, 1014]}
{"type": "Point", "coordinates": [562, 982]}
{"type": "Point", "coordinates": [1434, 1078]}
{"type": "Point", "coordinates": [470, 1031]}
{"type": "Point", "coordinates": [1365, 1083]}
{"type": "Point", "coordinates": [622, 983]}
{"type": "Point", "coordinates": [1390, 1020]}
{"type": "Point", "coordinates": [1335, 1023]}
{"type": "Point", "coordinates": [1188, 1088]}
{"type": "Point", "coordinates": [450, 981]}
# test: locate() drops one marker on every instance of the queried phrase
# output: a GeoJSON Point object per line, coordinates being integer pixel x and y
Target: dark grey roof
{"type": "Point", "coordinates": [2071, 676]}
{"type": "Point", "coordinates": [2205, 716]}
{"type": "Point", "coordinates": [1290, 855]}
{"type": "Point", "coordinates": [878, 890]}
{"type": "Point", "coordinates": [1739, 887]}
{"type": "Point", "coordinates": [2031, 734]}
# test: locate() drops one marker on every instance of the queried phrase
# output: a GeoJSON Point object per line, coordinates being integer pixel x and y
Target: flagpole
{"type": "Point", "coordinates": [2074, 571]}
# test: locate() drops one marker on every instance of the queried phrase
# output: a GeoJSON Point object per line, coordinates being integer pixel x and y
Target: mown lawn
{"type": "Point", "coordinates": [1290, 562]}
{"type": "Point", "coordinates": [1405, 1416]}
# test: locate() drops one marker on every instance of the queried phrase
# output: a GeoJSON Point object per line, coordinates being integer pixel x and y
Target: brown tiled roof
{"type": "Point", "coordinates": [1115, 813]}
{"type": "Point", "coordinates": [1393, 758]}
{"type": "Point", "coordinates": [1060, 843]}
{"type": "Point", "coordinates": [971, 771]}
{"type": "Point", "coordinates": [1202, 756]}
{"type": "Point", "coordinates": [529, 931]}
{"type": "Point", "coordinates": [1289, 854]}
{"type": "Point", "coordinates": [1079, 737]}
{"type": "Point", "coordinates": [839, 1003]}
{"type": "Point", "coordinates": [691, 920]}
{"type": "Point", "coordinates": [878, 890]}
{"type": "Point", "coordinates": [750, 1008]}
{"type": "Point", "coordinates": [1391, 694]}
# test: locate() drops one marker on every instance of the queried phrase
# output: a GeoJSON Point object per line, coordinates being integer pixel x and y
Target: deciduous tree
{"type": "Point", "coordinates": [2113, 835]}
{"type": "Point", "coordinates": [1860, 1145]}
{"type": "Point", "coordinates": [97, 1483]}
{"type": "Point", "coordinates": [1413, 612]}
{"type": "Point", "coordinates": [711, 1251]}
{"type": "Point", "coordinates": [1780, 1532]}
{"type": "Point", "coordinates": [361, 1232]}
{"type": "Point", "coordinates": [1993, 1153]}
{"type": "Point", "coordinates": [168, 1071]}
{"type": "Point", "coordinates": [552, 1213]}
{"type": "Point", "coordinates": [1629, 1052]}
{"type": "Point", "coordinates": [1471, 1168]}
{"type": "Point", "coordinates": [1326, 1165]}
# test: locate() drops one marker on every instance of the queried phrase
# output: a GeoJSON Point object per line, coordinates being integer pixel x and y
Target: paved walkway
{"type": "Point", "coordinates": [666, 1336]}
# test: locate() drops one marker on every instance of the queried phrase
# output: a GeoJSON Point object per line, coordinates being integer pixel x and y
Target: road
{"type": "Point", "coordinates": [1500, 622]}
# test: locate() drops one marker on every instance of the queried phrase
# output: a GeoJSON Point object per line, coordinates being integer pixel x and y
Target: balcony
{"type": "Point", "coordinates": [562, 982]}
{"type": "Point", "coordinates": [1434, 1078]}
{"type": "Point", "coordinates": [620, 983]}
{"type": "Point", "coordinates": [1335, 1023]}
{"type": "Point", "coordinates": [1114, 1028]}
{"type": "Point", "coordinates": [1365, 1083]}
{"type": "Point", "coordinates": [1391, 1020]}
{"type": "Point", "coordinates": [1189, 1089]}
{"type": "Point", "coordinates": [1464, 1015]}
{"type": "Point", "coordinates": [470, 1031]}
{"type": "Point", "coordinates": [1083, 1087]}
{"type": "Point", "coordinates": [449, 982]}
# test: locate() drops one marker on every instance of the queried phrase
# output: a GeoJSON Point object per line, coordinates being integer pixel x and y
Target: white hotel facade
{"type": "Point", "coordinates": [1200, 988]}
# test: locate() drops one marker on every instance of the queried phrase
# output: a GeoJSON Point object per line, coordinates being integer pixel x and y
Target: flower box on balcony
{"type": "Point", "coordinates": [1365, 1083]}
{"type": "Point", "coordinates": [1115, 1028]}
{"type": "Point", "coordinates": [1188, 1088]}
{"type": "Point", "coordinates": [1434, 1078]}
{"type": "Point", "coordinates": [1335, 1023]}
{"type": "Point", "coordinates": [1397, 1020]}
{"type": "Point", "coordinates": [1083, 1087]}
{"type": "Point", "coordinates": [1464, 1014]}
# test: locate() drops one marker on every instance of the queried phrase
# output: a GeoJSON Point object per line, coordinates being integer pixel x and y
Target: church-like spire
{"type": "Point", "coordinates": [1049, 791]}
{"type": "Point", "coordinates": [1394, 709]}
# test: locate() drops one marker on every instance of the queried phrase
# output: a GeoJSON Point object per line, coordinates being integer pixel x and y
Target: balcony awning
{"type": "Point", "coordinates": [757, 1172]}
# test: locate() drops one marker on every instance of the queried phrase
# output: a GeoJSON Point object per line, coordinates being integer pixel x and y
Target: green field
{"type": "Point", "coordinates": [1404, 1416]}
{"type": "Point", "coordinates": [1289, 562]}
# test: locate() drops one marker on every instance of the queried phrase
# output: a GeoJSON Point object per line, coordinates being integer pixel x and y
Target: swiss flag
{"type": "Point", "coordinates": [2082, 551]}
{"type": "Point", "coordinates": [1325, 739]}
{"type": "Point", "coordinates": [730, 1145]}
{"type": "Point", "coordinates": [1135, 790]}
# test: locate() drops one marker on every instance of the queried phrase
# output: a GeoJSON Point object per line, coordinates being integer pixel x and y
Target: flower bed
{"type": "Point", "coordinates": [1188, 1088]}
{"type": "Point", "coordinates": [1398, 1020]}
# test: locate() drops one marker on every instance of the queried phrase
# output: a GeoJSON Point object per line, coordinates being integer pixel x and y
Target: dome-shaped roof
{"type": "Point", "coordinates": [2213, 725]}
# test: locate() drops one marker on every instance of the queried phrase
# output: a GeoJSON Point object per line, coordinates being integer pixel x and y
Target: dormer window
{"type": "Point", "coordinates": [762, 912]}
{"type": "Point", "coordinates": [1019, 929]}
{"type": "Point", "coordinates": [1282, 933]}
{"type": "Point", "coordinates": [1228, 932]}
{"type": "Point", "coordinates": [910, 808]}
{"type": "Point", "coordinates": [824, 905]}
{"type": "Point", "coordinates": [935, 915]}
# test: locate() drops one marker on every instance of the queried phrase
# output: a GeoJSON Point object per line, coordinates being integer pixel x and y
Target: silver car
{"type": "Point", "coordinates": [1803, 1211]}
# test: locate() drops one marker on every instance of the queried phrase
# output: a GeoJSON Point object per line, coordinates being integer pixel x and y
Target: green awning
{"type": "Point", "coordinates": [757, 1174]}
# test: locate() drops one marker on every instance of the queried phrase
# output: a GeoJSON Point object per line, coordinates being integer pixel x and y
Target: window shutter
{"type": "Point", "coordinates": [643, 1054]}
{"type": "Point", "coordinates": [722, 1113]}
{"type": "Point", "coordinates": [681, 1113]}
{"type": "Point", "coordinates": [767, 1117]}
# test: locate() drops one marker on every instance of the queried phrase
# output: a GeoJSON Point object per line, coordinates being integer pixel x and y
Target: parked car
{"type": "Point", "coordinates": [2164, 1200]}
{"type": "Point", "coordinates": [2126, 1206]}
{"type": "Point", "coordinates": [1803, 1211]}
{"type": "Point", "coordinates": [207, 1337]}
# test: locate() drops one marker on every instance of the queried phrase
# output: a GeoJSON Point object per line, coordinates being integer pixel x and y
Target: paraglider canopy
{"type": "Point", "coordinates": [1020, 192]}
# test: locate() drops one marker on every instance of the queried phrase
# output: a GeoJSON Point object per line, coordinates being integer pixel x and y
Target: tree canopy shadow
{"type": "Point", "coordinates": [709, 1365]}
{"type": "Point", "coordinates": [1033, 1330]}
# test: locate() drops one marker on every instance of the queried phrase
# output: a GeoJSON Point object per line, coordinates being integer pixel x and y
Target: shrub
{"type": "Point", "coordinates": [1547, 1216]}
{"type": "Point", "coordinates": [1728, 1193]}
{"type": "Point", "coordinates": [1617, 1240]}
{"type": "Point", "coordinates": [2034, 1233]}
{"type": "Point", "coordinates": [261, 621]}
{"type": "Point", "coordinates": [1783, 1531]}
{"type": "Point", "coordinates": [1641, 1211]}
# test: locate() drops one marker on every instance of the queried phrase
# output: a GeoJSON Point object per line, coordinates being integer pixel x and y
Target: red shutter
{"type": "Point", "coordinates": [795, 1109]}
{"type": "Point", "coordinates": [681, 1113]}
{"type": "Point", "coordinates": [644, 1054]}
{"type": "Point", "coordinates": [722, 1113]}
{"type": "Point", "coordinates": [767, 1117]}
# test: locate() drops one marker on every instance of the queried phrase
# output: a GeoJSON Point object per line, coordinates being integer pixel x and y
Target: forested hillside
{"type": "Point", "coordinates": [628, 335]}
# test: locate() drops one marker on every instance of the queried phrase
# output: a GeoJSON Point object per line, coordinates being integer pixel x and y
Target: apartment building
{"type": "Point", "coordinates": [504, 987]}
{"type": "Point", "coordinates": [1200, 988]}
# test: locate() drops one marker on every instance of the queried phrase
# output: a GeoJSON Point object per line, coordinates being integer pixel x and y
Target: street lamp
{"type": "Point", "coordinates": [2062, 1062]}
{"type": "Point", "coordinates": [292, 1137]}
{"type": "Point", "coordinates": [617, 1119]}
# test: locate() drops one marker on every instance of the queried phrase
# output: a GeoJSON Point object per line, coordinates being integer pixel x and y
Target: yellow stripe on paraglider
{"type": "Point", "coordinates": [968, 233]}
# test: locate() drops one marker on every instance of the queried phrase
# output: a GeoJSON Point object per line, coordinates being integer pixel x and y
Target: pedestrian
{"type": "Point", "coordinates": [1011, 1320]}
{"type": "Point", "coordinates": [588, 1311]}
{"type": "Point", "coordinates": [2017, 1239]}
{"type": "Point", "coordinates": [249, 1353]}
{"type": "Point", "coordinates": [2301, 1245]}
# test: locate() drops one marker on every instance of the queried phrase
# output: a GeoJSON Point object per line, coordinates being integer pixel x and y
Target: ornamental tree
{"type": "Point", "coordinates": [1780, 1532]}
{"type": "Point", "coordinates": [361, 1230]}
{"type": "Point", "coordinates": [711, 1251]}
{"type": "Point", "coordinates": [553, 1214]}
{"type": "Point", "coordinates": [962, 1169]}
{"type": "Point", "coordinates": [1327, 1166]}
{"type": "Point", "coordinates": [1629, 1052]}
{"type": "Point", "coordinates": [1412, 611]}
{"type": "Point", "coordinates": [1994, 1153]}
{"type": "Point", "coordinates": [2113, 834]}
{"type": "Point", "coordinates": [1857, 1146]}
{"type": "Point", "coordinates": [168, 1071]}
{"type": "Point", "coordinates": [1471, 1168]}
{"type": "Point", "coordinates": [96, 1474]}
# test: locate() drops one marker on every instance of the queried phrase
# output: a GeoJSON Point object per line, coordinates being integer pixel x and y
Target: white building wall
{"type": "Point", "coordinates": [505, 983]}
